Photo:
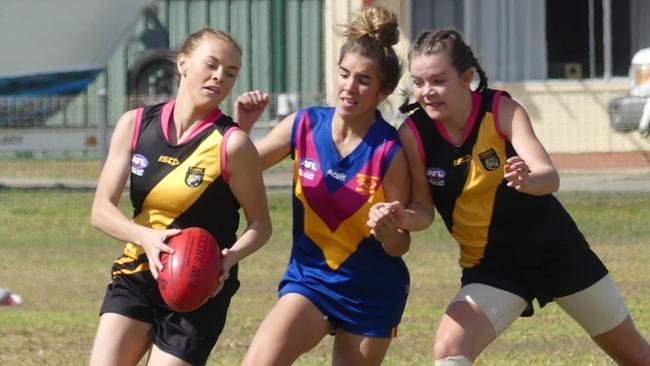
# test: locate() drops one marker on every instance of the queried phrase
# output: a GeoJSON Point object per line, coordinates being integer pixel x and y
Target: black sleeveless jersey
{"type": "Point", "coordinates": [469, 191]}
{"type": "Point", "coordinates": [179, 186]}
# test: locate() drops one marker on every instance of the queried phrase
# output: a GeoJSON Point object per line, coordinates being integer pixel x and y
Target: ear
{"type": "Point", "coordinates": [383, 94]}
{"type": "Point", "coordinates": [181, 64]}
{"type": "Point", "coordinates": [467, 76]}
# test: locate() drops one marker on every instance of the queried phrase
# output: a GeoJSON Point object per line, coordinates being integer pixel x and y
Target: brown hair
{"type": "Point", "coordinates": [372, 33]}
{"type": "Point", "coordinates": [193, 40]}
{"type": "Point", "coordinates": [449, 42]}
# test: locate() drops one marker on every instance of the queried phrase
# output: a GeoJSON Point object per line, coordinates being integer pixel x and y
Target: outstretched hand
{"type": "Point", "coordinates": [249, 106]}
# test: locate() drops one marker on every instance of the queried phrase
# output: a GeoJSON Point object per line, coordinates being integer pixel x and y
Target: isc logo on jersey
{"type": "Point", "coordinates": [307, 168]}
{"type": "Point", "coordinates": [138, 164]}
{"type": "Point", "coordinates": [168, 160]}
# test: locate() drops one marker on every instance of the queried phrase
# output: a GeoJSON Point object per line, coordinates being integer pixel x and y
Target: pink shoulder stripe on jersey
{"type": "Point", "coordinates": [165, 117]}
{"type": "Point", "coordinates": [205, 123]}
{"type": "Point", "coordinates": [136, 128]}
{"type": "Point", "coordinates": [495, 112]}
{"type": "Point", "coordinates": [223, 155]}
{"type": "Point", "coordinates": [411, 125]}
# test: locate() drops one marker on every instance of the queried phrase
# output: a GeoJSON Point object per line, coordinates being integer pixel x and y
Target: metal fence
{"type": "Point", "coordinates": [60, 127]}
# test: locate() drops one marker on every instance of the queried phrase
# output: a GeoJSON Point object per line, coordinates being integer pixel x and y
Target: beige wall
{"type": "Point", "coordinates": [571, 115]}
{"type": "Point", "coordinates": [567, 115]}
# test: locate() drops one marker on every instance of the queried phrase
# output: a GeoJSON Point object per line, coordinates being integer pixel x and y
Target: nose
{"type": "Point", "coordinates": [218, 74]}
{"type": "Point", "coordinates": [349, 84]}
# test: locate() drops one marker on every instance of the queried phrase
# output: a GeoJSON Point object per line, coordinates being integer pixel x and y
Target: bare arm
{"type": "Point", "coordinates": [419, 213]}
{"type": "Point", "coordinates": [248, 188]}
{"type": "Point", "coordinates": [396, 242]}
{"type": "Point", "coordinates": [105, 214]}
{"type": "Point", "coordinates": [532, 171]}
{"type": "Point", "coordinates": [276, 145]}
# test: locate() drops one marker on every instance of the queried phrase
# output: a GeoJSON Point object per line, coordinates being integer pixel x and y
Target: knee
{"type": "Point", "coordinates": [446, 347]}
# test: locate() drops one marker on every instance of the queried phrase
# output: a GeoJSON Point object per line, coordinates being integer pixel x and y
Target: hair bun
{"type": "Point", "coordinates": [376, 22]}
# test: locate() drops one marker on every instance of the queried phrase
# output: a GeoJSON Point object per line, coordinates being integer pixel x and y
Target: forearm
{"type": "Point", "coordinates": [110, 220]}
{"type": "Point", "coordinates": [397, 243]}
{"type": "Point", "coordinates": [417, 217]}
{"type": "Point", "coordinates": [255, 236]}
{"type": "Point", "coordinates": [542, 182]}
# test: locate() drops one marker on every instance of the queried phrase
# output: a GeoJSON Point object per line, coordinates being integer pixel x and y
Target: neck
{"type": "Point", "coordinates": [457, 120]}
{"type": "Point", "coordinates": [352, 127]}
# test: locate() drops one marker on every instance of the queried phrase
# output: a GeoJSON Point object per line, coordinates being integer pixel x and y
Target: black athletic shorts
{"type": "Point", "coordinates": [541, 273]}
{"type": "Point", "coordinates": [189, 336]}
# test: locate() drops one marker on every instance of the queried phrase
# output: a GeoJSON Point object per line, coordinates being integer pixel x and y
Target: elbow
{"type": "Point", "coordinates": [95, 220]}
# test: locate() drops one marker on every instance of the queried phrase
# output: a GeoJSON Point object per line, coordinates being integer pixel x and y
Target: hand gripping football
{"type": "Point", "coordinates": [191, 275]}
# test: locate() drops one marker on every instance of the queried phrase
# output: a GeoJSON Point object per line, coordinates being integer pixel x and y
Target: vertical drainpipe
{"type": "Point", "coordinates": [607, 39]}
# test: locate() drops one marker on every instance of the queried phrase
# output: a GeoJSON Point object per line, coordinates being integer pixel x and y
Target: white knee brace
{"type": "Point", "coordinates": [454, 361]}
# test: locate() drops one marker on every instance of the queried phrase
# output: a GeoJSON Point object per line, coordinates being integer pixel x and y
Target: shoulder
{"type": "Point", "coordinates": [239, 142]}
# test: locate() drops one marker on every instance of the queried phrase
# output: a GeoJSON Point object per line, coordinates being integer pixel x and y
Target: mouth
{"type": "Point", "coordinates": [212, 89]}
{"type": "Point", "coordinates": [348, 102]}
{"type": "Point", "coordinates": [434, 105]}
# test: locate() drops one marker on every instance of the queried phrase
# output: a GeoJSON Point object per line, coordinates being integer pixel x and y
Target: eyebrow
{"type": "Point", "coordinates": [360, 74]}
{"type": "Point", "coordinates": [236, 68]}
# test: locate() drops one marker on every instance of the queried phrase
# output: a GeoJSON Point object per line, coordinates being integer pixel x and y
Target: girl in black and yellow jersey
{"type": "Point", "coordinates": [473, 154]}
{"type": "Point", "coordinates": [188, 165]}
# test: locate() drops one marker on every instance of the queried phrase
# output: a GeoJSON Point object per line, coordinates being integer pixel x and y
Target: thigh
{"type": "Point", "coordinates": [474, 318]}
{"type": "Point", "coordinates": [597, 308]}
{"type": "Point", "coordinates": [356, 349]}
{"type": "Point", "coordinates": [120, 340]}
{"type": "Point", "coordinates": [158, 357]}
{"type": "Point", "coordinates": [291, 328]}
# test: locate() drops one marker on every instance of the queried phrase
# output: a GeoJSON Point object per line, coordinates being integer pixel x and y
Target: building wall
{"type": "Point", "coordinates": [570, 116]}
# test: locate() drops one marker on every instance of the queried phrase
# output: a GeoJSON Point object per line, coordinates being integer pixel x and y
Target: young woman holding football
{"type": "Point", "coordinates": [189, 165]}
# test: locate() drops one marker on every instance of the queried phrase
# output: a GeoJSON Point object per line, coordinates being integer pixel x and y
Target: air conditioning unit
{"type": "Point", "coordinates": [572, 70]}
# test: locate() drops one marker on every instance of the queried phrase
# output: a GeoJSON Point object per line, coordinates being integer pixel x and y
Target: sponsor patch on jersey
{"type": "Point", "coordinates": [138, 164]}
{"type": "Point", "coordinates": [366, 184]}
{"type": "Point", "coordinates": [489, 159]}
{"type": "Point", "coordinates": [341, 177]}
{"type": "Point", "coordinates": [307, 168]}
{"type": "Point", "coordinates": [194, 176]}
{"type": "Point", "coordinates": [168, 160]}
{"type": "Point", "coordinates": [436, 176]}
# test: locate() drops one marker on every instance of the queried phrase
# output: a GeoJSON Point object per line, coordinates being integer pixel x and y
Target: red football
{"type": "Point", "coordinates": [191, 275]}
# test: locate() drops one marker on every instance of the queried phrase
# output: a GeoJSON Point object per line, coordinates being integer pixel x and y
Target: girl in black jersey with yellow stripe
{"type": "Point", "coordinates": [475, 156]}
{"type": "Point", "coordinates": [189, 165]}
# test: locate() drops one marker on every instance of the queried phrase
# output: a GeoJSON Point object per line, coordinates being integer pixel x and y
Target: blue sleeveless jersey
{"type": "Point", "coordinates": [335, 262]}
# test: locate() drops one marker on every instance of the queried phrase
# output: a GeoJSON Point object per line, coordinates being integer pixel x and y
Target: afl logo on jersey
{"type": "Point", "coordinates": [436, 176]}
{"type": "Point", "coordinates": [138, 164]}
{"type": "Point", "coordinates": [489, 159]}
{"type": "Point", "coordinates": [307, 168]}
{"type": "Point", "coordinates": [194, 176]}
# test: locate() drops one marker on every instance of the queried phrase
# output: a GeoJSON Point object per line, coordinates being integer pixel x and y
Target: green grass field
{"type": "Point", "coordinates": [60, 265]}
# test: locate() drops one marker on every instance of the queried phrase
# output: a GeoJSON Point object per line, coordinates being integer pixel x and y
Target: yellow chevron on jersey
{"type": "Point", "coordinates": [339, 244]}
{"type": "Point", "coordinates": [173, 195]}
{"type": "Point", "coordinates": [473, 209]}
